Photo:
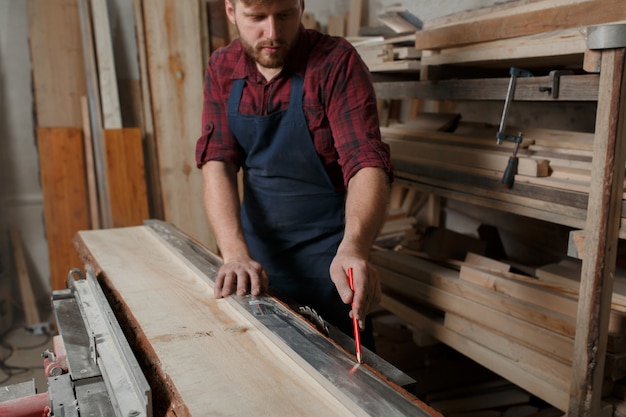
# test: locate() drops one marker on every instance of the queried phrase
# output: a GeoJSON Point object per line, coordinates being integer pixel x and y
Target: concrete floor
{"type": "Point", "coordinates": [21, 357]}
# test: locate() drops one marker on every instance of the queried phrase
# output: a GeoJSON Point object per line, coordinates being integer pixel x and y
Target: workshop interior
{"type": "Point", "coordinates": [501, 257]}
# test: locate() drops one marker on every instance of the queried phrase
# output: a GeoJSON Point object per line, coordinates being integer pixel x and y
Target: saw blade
{"type": "Point", "coordinates": [317, 320]}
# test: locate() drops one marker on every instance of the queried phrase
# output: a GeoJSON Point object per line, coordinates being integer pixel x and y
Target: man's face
{"type": "Point", "coordinates": [267, 29]}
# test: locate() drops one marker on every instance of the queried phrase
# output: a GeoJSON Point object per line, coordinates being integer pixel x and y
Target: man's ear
{"type": "Point", "coordinates": [230, 11]}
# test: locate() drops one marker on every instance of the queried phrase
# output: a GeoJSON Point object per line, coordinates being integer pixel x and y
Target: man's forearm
{"type": "Point", "coordinates": [366, 207]}
{"type": "Point", "coordinates": [221, 201]}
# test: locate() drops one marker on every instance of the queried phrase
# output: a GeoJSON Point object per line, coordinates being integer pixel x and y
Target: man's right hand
{"type": "Point", "coordinates": [240, 276]}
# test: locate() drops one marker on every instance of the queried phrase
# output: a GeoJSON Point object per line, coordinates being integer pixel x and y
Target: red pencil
{"type": "Point", "coordinates": [355, 321]}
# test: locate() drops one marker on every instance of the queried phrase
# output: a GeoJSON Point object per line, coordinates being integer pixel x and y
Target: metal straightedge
{"type": "Point", "coordinates": [104, 377]}
{"type": "Point", "coordinates": [358, 384]}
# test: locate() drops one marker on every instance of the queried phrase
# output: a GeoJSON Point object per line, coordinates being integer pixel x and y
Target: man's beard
{"type": "Point", "coordinates": [276, 60]}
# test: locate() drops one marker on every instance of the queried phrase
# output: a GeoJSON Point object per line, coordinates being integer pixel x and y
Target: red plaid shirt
{"type": "Point", "coordinates": [339, 104]}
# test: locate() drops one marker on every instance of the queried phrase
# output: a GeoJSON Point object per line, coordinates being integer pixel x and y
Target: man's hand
{"type": "Point", "coordinates": [367, 292]}
{"type": "Point", "coordinates": [242, 276]}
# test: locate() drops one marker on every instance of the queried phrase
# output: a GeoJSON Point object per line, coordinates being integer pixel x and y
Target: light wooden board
{"type": "Point", "coordinates": [65, 196]}
{"type": "Point", "coordinates": [109, 96]}
{"type": "Point", "coordinates": [557, 17]}
{"type": "Point", "coordinates": [545, 45]}
{"type": "Point", "coordinates": [215, 361]}
{"type": "Point", "coordinates": [215, 357]}
{"type": "Point", "coordinates": [543, 386]}
{"type": "Point", "coordinates": [58, 84]}
{"type": "Point", "coordinates": [176, 73]}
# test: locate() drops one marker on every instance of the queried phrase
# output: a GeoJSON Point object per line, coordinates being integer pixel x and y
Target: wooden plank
{"type": "Point", "coordinates": [601, 236]}
{"type": "Point", "coordinates": [64, 187]}
{"type": "Point", "coordinates": [29, 305]}
{"type": "Point", "coordinates": [543, 386]}
{"type": "Point", "coordinates": [107, 75]}
{"type": "Point", "coordinates": [572, 88]}
{"type": "Point", "coordinates": [495, 161]}
{"type": "Point", "coordinates": [544, 47]}
{"type": "Point", "coordinates": [126, 177]}
{"type": "Point", "coordinates": [147, 123]}
{"type": "Point", "coordinates": [176, 70]}
{"type": "Point", "coordinates": [355, 17]}
{"type": "Point", "coordinates": [562, 299]}
{"type": "Point", "coordinates": [560, 17]}
{"type": "Point", "coordinates": [520, 204]}
{"type": "Point", "coordinates": [95, 112]}
{"type": "Point", "coordinates": [58, 84]}
{"type": "Point", "coordinates": [210, 356]}
{"type": "Point", "coordinates": [437, 286]}
{"type": "Point", "coordinates": [405, 65]}
{"type": "Point", "coordinates": [92, 188]}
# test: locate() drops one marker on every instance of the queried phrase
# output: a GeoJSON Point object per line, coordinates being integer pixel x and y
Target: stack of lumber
{"type": "Point", "coordinates": [553, 175]}
{"type": "Point", "coordinates": [540, 30]}
{"type": "Point", "coordinates": [92, 165]}
{"type": "Point", "coordinates": [393, 53]}
{"type": "Point", "coordinates": [521, 327]}
{"type": "Point", "coordinates": [400, 221]}
{"type": "Point", "coordinates": [448, 381]}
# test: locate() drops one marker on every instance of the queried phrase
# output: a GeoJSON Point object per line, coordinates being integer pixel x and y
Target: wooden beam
{"type": "Point", "coordinates": [572, 88]}
{"type": "Point", "coordinates": [560, 17]}
{"type": "Point", "coordinates": [541, 385]}
{"type": "Point", "coordinates": [107, 75]}
{"type": "Point", "coordinates": [62, 162]}
{"type": "Point", "coordinates": [176, 74]}
{"type": "Point", "coordinates": [58, 84]}
{"type": "Point", "coordinates": [601, 236]}
{"type": "Point", "coordinates": [29, 305]}
{"type": "Point", "coordinates": [538, 49]}
{"type": "Point", "coordinates": [147, 122]}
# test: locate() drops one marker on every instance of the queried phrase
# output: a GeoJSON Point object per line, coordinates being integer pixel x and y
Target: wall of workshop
{"type": "Point", "coordinates": [21, 201]}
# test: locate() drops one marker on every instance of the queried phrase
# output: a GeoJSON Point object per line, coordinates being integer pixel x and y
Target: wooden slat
{"type": "Point", "coordinates": [572, 87]}
{"type": "Point", "coordinates": [436, 286]}
{"type": "Point", "coordinates": [58, 83]}
{"type": "Point", "coordinates": [90, 170]}
{"type": "Point", "coordinates": [543, 386]}
{"type": "Point", "coordinates": [107, 75]}
{"type": "Point", "coordinates": [456, 155]}
{"type": "Point", "coordinates": [542, 48]}
{"type": "Point", "coordinates": [95, 112]}
{"type": "Point", "coordinates": [29, 305]}
{"type": "Point", "coordinates": [601, 236]}
{"type": "Point", "coordinates": [147, 122]}
{"type": "Point", "coordinates": [565, 16]}
{"type": "Point", "coordinates": [126, 177]}
{"type": "Point", "coordinates": [176, 74]}
{"type": "Point", "coordinates": [64, 188]}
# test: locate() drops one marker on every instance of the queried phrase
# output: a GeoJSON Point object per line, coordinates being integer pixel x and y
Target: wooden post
{"type": "Point", "coordinates": [601, 237]}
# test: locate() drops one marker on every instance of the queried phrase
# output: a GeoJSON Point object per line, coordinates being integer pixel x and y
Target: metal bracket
{"type": "Point", "coordinates": [555, 78]}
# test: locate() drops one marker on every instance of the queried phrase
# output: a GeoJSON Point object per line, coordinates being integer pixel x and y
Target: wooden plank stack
{"type": "Point", "coordinates": [520, 326]}
{"type": "Point", "coordinates": [539, 335]}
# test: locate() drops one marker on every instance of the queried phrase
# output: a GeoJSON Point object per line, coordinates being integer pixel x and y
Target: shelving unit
{"type": "Point", "coordinates": [599, 77]}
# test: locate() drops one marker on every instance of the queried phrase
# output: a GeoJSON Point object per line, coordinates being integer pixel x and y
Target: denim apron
{"type": "Point", "coordinates": [292, 215]}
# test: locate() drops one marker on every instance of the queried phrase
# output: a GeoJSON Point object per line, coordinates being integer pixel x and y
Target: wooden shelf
{"type": "Point", "coordinates": [596, 207]}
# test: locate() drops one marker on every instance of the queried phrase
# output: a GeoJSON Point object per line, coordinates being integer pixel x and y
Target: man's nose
{"type": "Point", "coordinates": [271, 29]}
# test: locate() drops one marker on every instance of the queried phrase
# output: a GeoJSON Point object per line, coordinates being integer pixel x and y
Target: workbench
{"type": "Point", "coordinates": [233, 356]}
